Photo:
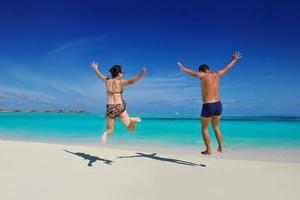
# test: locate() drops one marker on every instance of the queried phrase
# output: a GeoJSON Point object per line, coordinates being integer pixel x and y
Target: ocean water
{"type": "Point", "coordinates": [181, 130]}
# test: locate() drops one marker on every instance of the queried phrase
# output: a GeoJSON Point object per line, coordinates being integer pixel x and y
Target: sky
{"type": "Point", "coordinates": [46, 48]}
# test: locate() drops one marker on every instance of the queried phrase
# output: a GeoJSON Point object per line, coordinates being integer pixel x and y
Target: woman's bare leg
{"type": "Point", "coordinates": [110, 122]}
{"type": "Point", "coordinates": [129, 122]}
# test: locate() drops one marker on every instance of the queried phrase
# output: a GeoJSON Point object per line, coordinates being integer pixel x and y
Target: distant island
{"type": "Point", "coordinates": [45, 110]}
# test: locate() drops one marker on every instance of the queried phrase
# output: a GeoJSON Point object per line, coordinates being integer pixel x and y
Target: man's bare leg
{"type": "Point", "coordinates": [204, 127]}
{"type": "Point", "coordinates": [215, 123]}
{"type": "Point", "coordinates": [110, 122]}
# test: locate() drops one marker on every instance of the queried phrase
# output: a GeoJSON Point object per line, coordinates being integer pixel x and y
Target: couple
{"type": "Point", "coordinates": [211, 108]}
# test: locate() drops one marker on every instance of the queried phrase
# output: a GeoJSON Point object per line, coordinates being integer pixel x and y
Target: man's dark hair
{"type": "Point", "coordinates": [115, 70]}
{"type": "Point", "coordinates": [203, 68]}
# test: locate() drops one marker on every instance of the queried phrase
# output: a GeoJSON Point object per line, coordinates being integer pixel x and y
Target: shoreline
{"type": "Point", "coordinates": [267, 154]}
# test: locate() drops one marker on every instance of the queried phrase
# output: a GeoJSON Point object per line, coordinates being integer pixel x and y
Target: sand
{"type": "Point", "coordinates": [42, 171]}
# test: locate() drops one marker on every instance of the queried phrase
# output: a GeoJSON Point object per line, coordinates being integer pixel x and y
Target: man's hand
{"type": "Point", "coordinates": [94, 65]}
{"type": "Point", "coordinates": [237, 55]}
{"type": "Point", "coordinates": [180, 65]}
{"type": "Point", "coordinates": [143, 72]}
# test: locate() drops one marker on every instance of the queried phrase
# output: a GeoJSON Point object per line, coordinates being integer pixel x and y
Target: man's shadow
{"type": "Point", "coordinates": [90, 158]}
{"type": "Point", "coordinates": [155, 157]}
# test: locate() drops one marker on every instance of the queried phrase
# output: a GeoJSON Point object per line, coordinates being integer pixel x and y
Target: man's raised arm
{"type": "Point", "coordinates": [190, 72]}
{"type": "Point", "coordinates": [235, 57]}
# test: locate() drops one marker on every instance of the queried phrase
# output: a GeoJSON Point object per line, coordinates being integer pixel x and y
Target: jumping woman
{"type": "Point", "coordinates": [116, 106]}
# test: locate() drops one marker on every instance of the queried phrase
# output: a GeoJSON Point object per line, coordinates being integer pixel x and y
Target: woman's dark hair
{"type": "Point", "coordinates": [115, 70]}
{"type": "Point", "coordinates": [203, 68]}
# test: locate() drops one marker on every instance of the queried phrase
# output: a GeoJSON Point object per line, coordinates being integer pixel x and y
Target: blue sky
{"type": "Point", "coordinates": [46, 48]}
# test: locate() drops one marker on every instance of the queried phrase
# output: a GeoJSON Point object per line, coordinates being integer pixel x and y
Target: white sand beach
{"type": "Point", "coordinates": [56, 171]}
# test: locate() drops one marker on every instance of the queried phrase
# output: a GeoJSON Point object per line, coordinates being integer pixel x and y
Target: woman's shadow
{"type": "Point", "coordinates": [90, 158]}
{"type": "Point", "coordinates": [155, 157]}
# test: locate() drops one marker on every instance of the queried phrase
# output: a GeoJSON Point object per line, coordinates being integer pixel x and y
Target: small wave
{"type": "Point", "coordinates": [228, 118]}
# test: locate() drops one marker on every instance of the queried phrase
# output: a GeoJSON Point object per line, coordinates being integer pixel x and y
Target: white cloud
{"type": "Point", "coordinates": [83, 88]}
{"type": "Point", "coordinates": [76, 43]}
{"type": "Point", "coordinates": [21, 97]}
{"type": "Point", "coordinates": [172, 90]}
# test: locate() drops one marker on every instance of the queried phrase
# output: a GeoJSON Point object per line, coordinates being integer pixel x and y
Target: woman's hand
{"type": "Point", "coordinates": [94, 65]}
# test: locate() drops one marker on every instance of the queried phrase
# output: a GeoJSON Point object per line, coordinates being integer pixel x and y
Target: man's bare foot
{"type": "Point", "coordinates": [220, 149]}
{"type": "Point", "coordinates": [103, 138]}
{"type": "Point", "coordinates": [135, 119]}
{"type": "Point", "coordinates": [206, 152]}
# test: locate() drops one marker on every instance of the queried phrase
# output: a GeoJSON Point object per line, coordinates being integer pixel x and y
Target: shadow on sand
{"type": "Point", "coordinates": [90, 158]}
{"type": "Point", "coordinates": [155, 157]}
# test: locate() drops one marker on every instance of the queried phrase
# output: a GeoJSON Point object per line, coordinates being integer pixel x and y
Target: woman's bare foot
{"type": "Point", "coordinates": [131, 126]}
{"type": "Point", "coordinates": [135, 119]}
{"type": "Point", "coordinates": [206, 152]}
{"type": "Point", "coordinates": [103, 138]}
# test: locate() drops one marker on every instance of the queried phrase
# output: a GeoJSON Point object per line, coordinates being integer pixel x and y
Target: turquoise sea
{"type": "Point", "coordinates": [160, 129]}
